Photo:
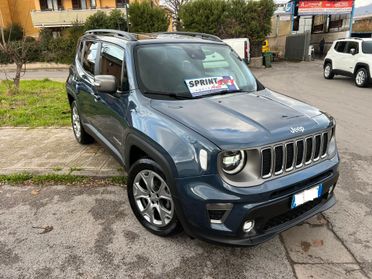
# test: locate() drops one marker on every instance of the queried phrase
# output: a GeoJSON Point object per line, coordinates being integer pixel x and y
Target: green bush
{"type": "Point", "coordinates": [13, 33]}
{"type": "Point", "coordinates": [145, 18]}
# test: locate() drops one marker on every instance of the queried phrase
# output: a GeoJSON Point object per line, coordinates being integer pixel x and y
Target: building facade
{"type": "Point", "coordinates": [33, 15]}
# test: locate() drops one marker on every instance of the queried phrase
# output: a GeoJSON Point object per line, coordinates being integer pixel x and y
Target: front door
{"type": "Point", "coordinates": [350, 59]}
{"type": "Point", "coordinates": [112, 107]}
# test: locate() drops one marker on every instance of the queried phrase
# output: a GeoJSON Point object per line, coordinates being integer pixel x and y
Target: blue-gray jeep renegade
{"type": "Point", "coordinates": [206, 146]}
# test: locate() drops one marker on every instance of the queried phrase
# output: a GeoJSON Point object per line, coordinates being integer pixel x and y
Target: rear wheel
{"type": "Point", "coordinates": [151, 199]}
{"type": "Point", "coordinates": [361, 77]}
{"type": "Point", "coordinates": [81, 136]}
{"type": "Point", "coordinates": [328, 71]}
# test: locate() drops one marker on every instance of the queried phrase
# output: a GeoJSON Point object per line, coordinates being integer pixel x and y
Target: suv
{"type": "Point", "coordinates": [350, 57]}
{"type": "Point", "coordinates": [206, 146]}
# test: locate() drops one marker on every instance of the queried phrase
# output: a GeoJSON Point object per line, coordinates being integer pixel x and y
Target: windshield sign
{"type": "Point", "coordinates": [204, 86]}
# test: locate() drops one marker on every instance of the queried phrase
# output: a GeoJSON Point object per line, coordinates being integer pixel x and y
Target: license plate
{"type": "Point", "coordinates": [306, 196]}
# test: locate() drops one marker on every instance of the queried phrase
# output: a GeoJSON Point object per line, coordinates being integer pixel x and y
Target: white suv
{"type": "Point", "coordinates": [350, 57]}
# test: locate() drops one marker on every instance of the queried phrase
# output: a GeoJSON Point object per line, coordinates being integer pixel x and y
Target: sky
{"type": "Point", "coordinates": [360, 3]}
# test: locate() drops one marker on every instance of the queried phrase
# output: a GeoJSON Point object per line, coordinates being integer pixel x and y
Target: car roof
{"type": "Point", "coordinates": [355, 39]}
{"type": "Point", "coordinates": [121, 37]}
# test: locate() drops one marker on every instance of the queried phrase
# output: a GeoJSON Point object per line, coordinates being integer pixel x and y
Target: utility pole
{"type": "Point", "coordinates": [352, 19]}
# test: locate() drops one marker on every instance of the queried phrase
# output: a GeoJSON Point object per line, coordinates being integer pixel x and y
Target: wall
{"type": "Point", "coordinates": [5, 16]}
{"type": "Point", "coordinates": [363, 25]}
{"type": "Point", "coordinates": [16, 11]}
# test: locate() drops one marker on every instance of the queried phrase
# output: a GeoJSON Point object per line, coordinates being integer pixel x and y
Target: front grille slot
{"type": "Point", "coordinates": [309, 150]}
{"type": "Point", "coordinates": [317, 147]}
{"type": "Point", "coordinates": [300, 153]}
{"type": "Point", "coordinates": [290, 156]}
{"type": "Point", "coordinates": [286, 156]}
{"type": "Point", "coordinates": [325, 144]}
{"type": "Point", "coordinates": [266, 162]}
{"type": "Point", "coordinates": [279, 159]}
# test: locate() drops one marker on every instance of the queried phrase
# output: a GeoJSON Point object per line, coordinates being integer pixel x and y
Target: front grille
{"type": "Point", "coordinates": [291, 214]}
{"type": "Point", "coordinates": [294, 154]}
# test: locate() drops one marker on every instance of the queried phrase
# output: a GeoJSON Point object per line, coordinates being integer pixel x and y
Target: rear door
{"type": "Point", "coordinates": [85, 90]}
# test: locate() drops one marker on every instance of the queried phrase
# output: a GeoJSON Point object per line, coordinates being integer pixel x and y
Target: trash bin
{"type": "Point", "coordinates": [267, 58]}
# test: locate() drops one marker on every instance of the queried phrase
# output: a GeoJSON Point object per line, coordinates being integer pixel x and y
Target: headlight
{"type": "Point", "coordinates": [233, 161]}
{"type": "Point", "coordinates": [332, 147]}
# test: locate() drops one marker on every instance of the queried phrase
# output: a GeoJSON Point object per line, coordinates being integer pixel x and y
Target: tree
{"type": "Point", "coordinates": [206, 16]}
{"type": "Point", "coordinates": [18, 50]}
{"type": "Point", "coordinates": [116, 20]}
{"type": "Point", "coordinates": [100, 20]}
{"type": "Point", "coordinates": [145, 18]}
{"type": "Point", "coordinates": [175, 7]}
{"type": "Point", "coordinates": [230, 19]}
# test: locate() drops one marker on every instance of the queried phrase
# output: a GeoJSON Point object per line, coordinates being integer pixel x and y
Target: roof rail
{"type": "Point", "coordinates": [192, 34]}
{"type": "Point", "coordinates": [112, 32]}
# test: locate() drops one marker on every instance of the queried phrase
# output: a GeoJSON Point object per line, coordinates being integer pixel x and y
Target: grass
{"type": "Point", "coordinates": [38, 103]}
{"type": "Point", "coordinates": [65, 179]}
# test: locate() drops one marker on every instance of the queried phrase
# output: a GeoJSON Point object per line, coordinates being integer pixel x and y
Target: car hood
{"type": "Point", "coordinates": [240, 120]}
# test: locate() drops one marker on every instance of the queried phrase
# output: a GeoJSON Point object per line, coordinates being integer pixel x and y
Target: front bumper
{"type": "Point", "coordinates": [267, 204]}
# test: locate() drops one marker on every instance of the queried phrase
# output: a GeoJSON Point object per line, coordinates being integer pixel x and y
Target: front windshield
{"type": "Point", "coordinates": [191, 70]}
{"type": "Point", "coordinates": [367, 47]}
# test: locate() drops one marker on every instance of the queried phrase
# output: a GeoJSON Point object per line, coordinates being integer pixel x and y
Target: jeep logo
{"type": "Point", "coordinates": [295, 130]}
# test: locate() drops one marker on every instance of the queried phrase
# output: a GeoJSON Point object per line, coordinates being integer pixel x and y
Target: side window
{"type": "Point", "coordinates": [89, 57]}
{"type": "Point", "coordinates": [80, 50]}
{"type": "Point", "coordinates": [112, 59]}
{"type": "Point", "coordinates": [340, 46]}
{"type": "Point", "coordinates": [352, 45]}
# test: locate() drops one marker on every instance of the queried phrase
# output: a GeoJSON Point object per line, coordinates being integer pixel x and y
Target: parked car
{"type": "Point", "coordinates": [350, 57]}
{"type": "Point", "coordinates": [206, 146]}
{"type": "Point", "coordinates": [241, 46]}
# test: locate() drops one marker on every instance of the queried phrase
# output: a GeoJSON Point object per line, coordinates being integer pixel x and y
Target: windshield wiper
{"type": "Point", "coordinates": [223, 92]}
{"type": "Point", "coordinates": [171, 95]}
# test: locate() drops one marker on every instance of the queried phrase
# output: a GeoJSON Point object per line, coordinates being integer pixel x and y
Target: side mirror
{"type": "Point", "coordinates": [105, 83]}
{"type": "Point", "coordinates": [353, 51]}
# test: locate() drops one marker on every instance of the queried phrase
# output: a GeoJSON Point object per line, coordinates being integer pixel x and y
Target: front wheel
{"type": "Point", "coordinates": [151, 199]}
{"type": "Point", "coordinates": [328, 71]}
{"type": "Point", "coordinates": [361, 77]}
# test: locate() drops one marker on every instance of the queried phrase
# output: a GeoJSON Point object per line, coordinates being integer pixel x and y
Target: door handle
{"type": "Point", "coordinates": [96, 97]}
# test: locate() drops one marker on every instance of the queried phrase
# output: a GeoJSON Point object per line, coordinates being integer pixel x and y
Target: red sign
{"type": "Point", "coordinates": [325, 7]}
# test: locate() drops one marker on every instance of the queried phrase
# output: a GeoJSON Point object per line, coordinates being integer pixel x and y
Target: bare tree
{"type": "Point", "coordinates": [16, 51]}
{"type": "Point", "coordinates": [174, 7]}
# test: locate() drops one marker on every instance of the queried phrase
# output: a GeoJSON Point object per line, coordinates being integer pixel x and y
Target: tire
{"type": "Point", "coordinates": [361, 77]}
{"type": "Point", "coordinates": [80, 134]}
{"type": "Point", "coordinates": [328, 71]}
{"type": "Point", "coordinates": [151, 200]}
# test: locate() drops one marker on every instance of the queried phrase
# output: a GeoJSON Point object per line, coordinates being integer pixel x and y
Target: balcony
{"type": "Point", "coordinates": [64, 18]}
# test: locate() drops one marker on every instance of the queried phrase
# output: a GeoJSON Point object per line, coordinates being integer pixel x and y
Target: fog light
{"type": "Point", "coordinates": [248, 226]}
{"type": "Point", "coordinates": [330, 189]}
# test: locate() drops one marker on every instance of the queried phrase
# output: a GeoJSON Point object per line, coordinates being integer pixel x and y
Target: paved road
{"type": "Point", "coordinates": [57, 75]}
{"type": "Point", "coordinates": [95, 234]}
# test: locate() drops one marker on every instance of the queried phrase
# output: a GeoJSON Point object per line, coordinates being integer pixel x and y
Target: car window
{"type": "Point", "coordinates": [367, 47]}
{"type": "Point", "coordinates": [352, 45]}
{"type": "Point", "coordinates": [167, 68]}
{"type": "Point", "coordinates": [80, 50]}
{"type": "Point", "coordinates": [89, 57]}
{"type": "Point", "coordinates": [340, 46]}
{"type": "Point", "coordinates": [112, 59]}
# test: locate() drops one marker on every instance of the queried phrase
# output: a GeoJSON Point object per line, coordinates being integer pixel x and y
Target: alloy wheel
{"type": "Point", "coordinates": [360, 78]}
{"type": "Point", "coordinates": [327, 71]}
{"type": "Point", "coordinates": [76, 125]}
{"type": "Point", "coordinates": [153, 198]}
